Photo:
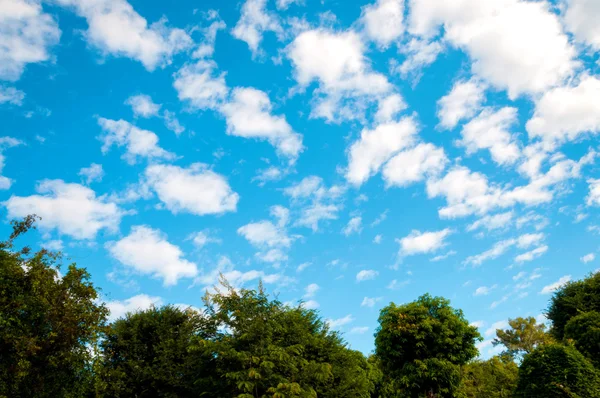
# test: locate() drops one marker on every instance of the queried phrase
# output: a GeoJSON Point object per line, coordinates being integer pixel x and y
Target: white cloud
{"type": "Point", "coordinates": [366, 275]}
{"type": "Point", "coordinates": [496, 251]}
{"type": "Point", "coordinates": [337, 323]}
{"type": "Point", "coordinates": [484, 290]}
{"type": "Point", "coordinates": [195, 189]}
{"type": "Point", "coordinates": [423, 242]}
{"type": "Point", "coordinates": [114, 27]}
{"type": "Point", "coordinates": [375, 147]}
{"type": "Point", "coordinates": [92, 173]}
{"type": "Point", "coordinates": [253, 22]}
{"type": "Point", "coordinates": [353, 226]}
{"type": "Point", "coordinates": [491, 331]}
{"type": "Point", "coordinates": [395, 284]}
{"type": "Point", "coordinates": [311, 290]}
{"type": "Point", "coordinates": [581, 18]}
{"type": "Point", "coordinates": [141, 302]}
{"type": "Point", "coordinates": [54, 245]}
{"type": "Point", "coordinates": [284, 4]}
{"type": "Point", "coordinates": [200, 86]}
{"type": "Point", "coordinates": [26, 36]}
{"type": "Point", "coordinates": [319, 202]}
{"type": "Point", "coordinates": [389, 107]}
{"type": "Point", "coordinates": [593, 198]}
{"type": "Point", "coordinates": [338, 63]}
{"type": "Point", "coordinates": [72, 209]}
{"type": "Point", "coordinates": [248, 115]}
{"type": "Point", "coordinates": [527, 240]}
{"type": "Point", "coordinates": [202, 238]}
{"type": "Point", "coordinates": [359, 330]}
{"type": "Point", "coordinates": [556, 285]}
{"type": "Point", "coordinates": [147, 251]}
{"type": "Point", "coordinates": [491, 130]}
{"type": "Point", "coordinates": [521, 59]}
{"type": "Point", "coordinates": [310, 305]}
{"type": "Point", "coordinates": [492, 222]}
{"type": "Point", "coordinates": [236, 278]}
{"type": "Point", "coordinates": [265, 234]}
{"type": "Point", "coordinates": [11, 95]}
{"type": "Point", "coordinates": [532, 254]}
{"type": "Point", "coordinates": [383, 21]}
{"type": "Point", "coordinates": [138, 142]}
{"type": "Point", "coordinates": [370, 301]}
{"type": "Point", "coordinates": [142, 105]}
{"type": "Point", "coordinates": [566, 113]}
{"type": "Point", "coordinates": [462, 102]}
{"type": "Point", "coordinates": [443, 256]}
{"type": "Point", "coordinates": [539, 222]}
{"type": "Point", "coordinates": [414, 165]}
{"type": "Point", "coordinates": [172, 123]}
{"type": "Point", "coordinates": [6, 143]}
{"type": "Point", "coordinates": [588, 258]}
{"type": "Point", "coordinates": [377, 239]}
{"type": "Point", "coordinates": [303, 266]}
{"type": "Point", "coordinates": [419, 54]}
{"type": "Point", "coordinates": [477, 324]}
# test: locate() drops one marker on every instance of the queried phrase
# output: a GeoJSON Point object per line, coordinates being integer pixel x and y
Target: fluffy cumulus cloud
{"type": "Point", "coordinates": [366, 275]}
{"type": "Point", "coordinates": [462, 102]}
{"type": "Point", "coordinates": [141, 302]}
{"type": "Point", "coordinates": [581, 18]}
{"type": "Point", "coordinates": [413, 165]}
{"type": "Point", "coordinates": [93, 173]}
{"type": "Point", "coordinates": [143, 106]}
{"type": "Point", "coordinates": [337, 62]}
{"type": "Point", "coordinates": [147, 251]}
{"type": "Point", "coordinates": [588, 258]}
{"type": "Point", "coordinates": [370, 301]}
{"type": "Point", "coordinates": [389, 107]}
{"type": "Point", "coordinates": [248, 115]}
{"type": "Point", "coordinates": [254, 20]}
{"type": "Point", "coordinates": [115, 28]}
{"type": "Point", "coordinates": [423, 242]}
{"type": "Point", "coordinates": [138, 143]}
{"type": "Point", "coordinates": [271, 238]}
{"type": "Point", "coordinates": [26, 35]}
{"type": "Point", "coordinates": [566, 113]}
{"type": "Point", "coordinates": [593, 198]}
{"type": "Point", "coordinates": [492, 222]}
{"type": "Point", "coordinates": [354, 226]}
{"type": "Point", "coordinates": [522, 60]}
{"type": "Point", "coordinates": [71, 209]}
{"type": "Point", "coordinates": [491, 130]}
{"type": "Point", "coordinates": [200, 85]}
{"type": "Point", "coordinates": [377, 146]}
{"type": "Point", "coordinates": [195, 189]}
{"type": "Point", "coordinates": [383, 21]}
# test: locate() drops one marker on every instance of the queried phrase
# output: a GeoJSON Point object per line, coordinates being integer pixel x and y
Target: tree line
{"type": "Point", "coordinates": [56, 341]}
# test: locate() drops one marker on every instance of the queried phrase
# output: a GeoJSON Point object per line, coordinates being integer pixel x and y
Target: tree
{"type": "Point", "coordinates": [571, 300]}
{"type": "Point", "coordinates": [553, 371]}
{"type": "Point", "coordinates": [146, 354]}
{"type": "Point", "coordinates": [523, 336]}
{"type": "Point", "coordinates": [422, 344]}
{"type": "Point", "coordinates": [584, 330]}
{"type": "Point", "coordinates": [49, 323]}
{"type": "Point", "coordinates": [494, 378]}
{"type": "Point", "coordinates": [265, 348]}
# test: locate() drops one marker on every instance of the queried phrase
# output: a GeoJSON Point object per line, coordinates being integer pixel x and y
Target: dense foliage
{"type": "Point", "coordinates": [522, 336]}
{"type": "Point", "coordinates": [494, 378]}
{"type": "Point", "coordinates": [54, 342]}
{"type": "Point", "coordinates": [556, 370]}
{"type": "Point", "coordinates": [422, 344]}
{"type": "Point", "coordinates": [48, 323]}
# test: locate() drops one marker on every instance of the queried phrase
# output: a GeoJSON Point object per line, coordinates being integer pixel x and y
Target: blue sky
{"type": "Point", "coordinates": [348, 153]}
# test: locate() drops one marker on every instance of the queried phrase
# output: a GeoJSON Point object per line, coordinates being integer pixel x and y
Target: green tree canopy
{"type": "Point", "coordinates": [263, 348]}
{"type": "Point", "coordinates": [584, 330]}
{"type": "Point", "coordinates": [49, 323]}
{"type": "Point", "coordinates": [573, 299]}
{"type": "Point", "coordinates": [522, 337]}
{"type": "Point", "coordinates": [146, 354]}
{"type": "Point", "coordinates": [422, 344]}
{"type": "Point", "coordinates": [494, 378]}
{"type": "Point", "coordinates": [555, 370]}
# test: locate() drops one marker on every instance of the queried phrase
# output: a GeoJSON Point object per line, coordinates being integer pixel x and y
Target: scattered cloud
{"type": "Point", "coordinates": [556, 285]}
{"type": "Point", "coordinates": [366, 275]}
